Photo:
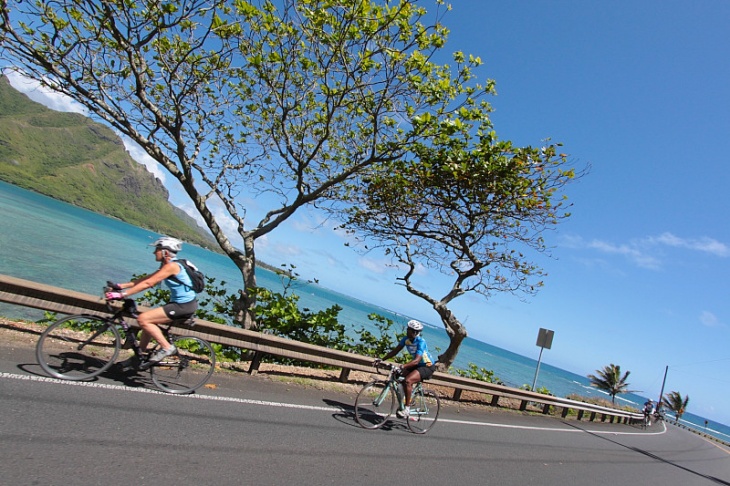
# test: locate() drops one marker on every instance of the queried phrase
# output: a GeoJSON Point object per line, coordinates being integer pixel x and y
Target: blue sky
{"type": "Point", "coordinates": [638, 275]}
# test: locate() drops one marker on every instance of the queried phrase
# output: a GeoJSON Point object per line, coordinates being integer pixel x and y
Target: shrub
{"type": "Point", "coordinates": [476, 373]}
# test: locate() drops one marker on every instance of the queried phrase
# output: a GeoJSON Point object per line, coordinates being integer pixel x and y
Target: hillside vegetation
{"type": "Point", "coordinates": [72, 158]}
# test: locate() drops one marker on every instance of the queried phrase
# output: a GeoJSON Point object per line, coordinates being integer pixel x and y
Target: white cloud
{"type": "Point", "coordinates": [647, 252]}
{"type": "Point", "coordinates": [227, 224]}
{"type": "Point", "coordinates": [313, 221]}
{"type": "Point", "coordinates": [40, 94]}
{"type": "Point", "coordinates": [138, 154]}
{"type": "Point", "coordinates": [709, 319]}
{"type": "Point", "coordinates": [284, 250]}
{"type": "Point", "coordinates": [703, 244]}
{"type": "Point", "coordinates": [375, 266]}
{"type": "Point", "coordinates": [632, 251]}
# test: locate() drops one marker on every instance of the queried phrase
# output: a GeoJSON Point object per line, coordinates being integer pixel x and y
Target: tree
{"type": "Point", "coordinates": [287, 103]}
{"type": "Point", "coordinates": [676, 403]}
{"type": "Point", "coordinates": [610, 380]}
{"type": "Point", "coordinates": [466, 205]}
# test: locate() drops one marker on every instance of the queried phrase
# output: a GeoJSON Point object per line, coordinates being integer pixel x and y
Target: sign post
{"type": "Point", "coordinates": [545, 341]}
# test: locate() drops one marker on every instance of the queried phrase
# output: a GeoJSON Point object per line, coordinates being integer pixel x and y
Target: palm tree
{"type": "Point", "coordinates": [676, 403]}
{"type": "Point", "coordinates": [609, 379]}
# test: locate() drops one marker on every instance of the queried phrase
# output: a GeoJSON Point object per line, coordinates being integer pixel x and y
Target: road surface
{"type": "Point", "coordinates": [251, 431]}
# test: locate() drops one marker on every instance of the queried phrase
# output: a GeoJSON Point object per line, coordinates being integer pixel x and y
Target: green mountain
{"type": "Point", "coordinates": [72, 158]}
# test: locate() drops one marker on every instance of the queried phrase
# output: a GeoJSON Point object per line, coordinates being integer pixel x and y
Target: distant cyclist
{"type": "Point", "coordinates": [182, 303]}
{"type": "Point", "coordinates": [648, 410]}
{"type": "Point", "coordinates": [420, 368]}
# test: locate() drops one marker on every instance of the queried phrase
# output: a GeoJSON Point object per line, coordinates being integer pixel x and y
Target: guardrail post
{"type": "Point", "coordinates": [495, 401]}
{"type": "Point", "coordinates": [457, 394]}
{"type": "Point", "coordinates": [546, 409]}
{"type": "Point", "coordinates": [344, 375]}
{"type": "Point", "coordinates": [253, 368]}
{"type": "Point", "coordinates": [523, 405]}
{"type": "Point", "coordinates": [593, 416]}
{"type": "Point", "coordinates": [565, 413]}
{"type": "Point", "coordinates": [603, 417]}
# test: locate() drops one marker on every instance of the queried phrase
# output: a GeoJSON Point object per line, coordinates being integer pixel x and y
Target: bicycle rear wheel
{"type": "Point", "coordinates": [425, 407]}
{"type": "Point", "coordinates": [374, 404]}
{"type": "Point", "coordinates": [188, 369]}
{"type": "Point", "coordinates": [78, 347]}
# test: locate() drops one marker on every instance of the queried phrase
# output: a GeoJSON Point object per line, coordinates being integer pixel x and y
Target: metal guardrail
{"type": "Point", "coordinates": [54, 299]}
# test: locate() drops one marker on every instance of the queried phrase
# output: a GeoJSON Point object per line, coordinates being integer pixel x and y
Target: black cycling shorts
{"type": "Point", "coordinates": [426, 372]}
{"type": "Point", "coordinates": [174, 310]}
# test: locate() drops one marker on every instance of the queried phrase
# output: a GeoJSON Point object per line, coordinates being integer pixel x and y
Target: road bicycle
{"type": "Point", "coordinates": [377, 401]}
{"type": "Point", "coordinates": [646, 421]}
{"type": "Point", "coordinates": [83, 346]}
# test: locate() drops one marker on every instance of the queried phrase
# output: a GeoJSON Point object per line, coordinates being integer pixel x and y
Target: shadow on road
{"type": "Point", "coordinates": [132, 379]}
{"type": "Point", "coordinates": [651, 455]}
{"type": "Point", "coordinates": [346, 415]}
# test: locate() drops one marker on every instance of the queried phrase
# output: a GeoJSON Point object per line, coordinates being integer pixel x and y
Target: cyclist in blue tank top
{"type": "Point", "coordinates": [421, 367]}
{"type": "Point", "coordinates": [182, 303]}
{"type": "Point", "coordinates": [181, 288]}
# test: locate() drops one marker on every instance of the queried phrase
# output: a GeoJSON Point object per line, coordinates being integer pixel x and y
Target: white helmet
{"type": "Point", "coordinates": [170, 244]}
{"type": "Point", "coordinates": [415, 325]}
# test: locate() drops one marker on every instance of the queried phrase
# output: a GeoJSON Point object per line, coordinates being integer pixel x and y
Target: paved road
{"type": "Point", "coordinates": [253, 432]}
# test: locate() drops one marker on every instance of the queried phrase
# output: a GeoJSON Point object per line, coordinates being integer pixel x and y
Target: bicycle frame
{"type": "Point", "coordinates": [129, 309]}
{"type": "Point", "coordinates": [66, 350]}
{"type": "Point", "coordinates": [375, 404]}
{"type": "Point", "coordinates": [391, 387]}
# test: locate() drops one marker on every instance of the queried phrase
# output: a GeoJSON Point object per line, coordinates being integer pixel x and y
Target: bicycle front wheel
{"type": "Point", "coordinates": [425, 407]}
{"type": "Point", "coordinates": [374, 404]}
{"type": "Point", "coordinates": [78, 347]}
{"type": "Point", "coordinates": [188, 369]}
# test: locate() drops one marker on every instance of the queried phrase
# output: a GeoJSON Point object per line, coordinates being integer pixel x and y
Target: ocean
{"type": "Point", "coordinates": [55, 243]}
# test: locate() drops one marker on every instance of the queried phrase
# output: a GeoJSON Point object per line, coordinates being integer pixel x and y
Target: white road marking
{"type": "Point", "coordinates": [158, 392]}
{"type": "Point", "coordinates": [553, 429]}
{"type": "Point", "coordinates": [303, 407]}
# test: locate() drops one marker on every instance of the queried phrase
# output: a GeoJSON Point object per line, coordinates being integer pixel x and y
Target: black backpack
{"type": "Point", "coordinates": [196, 276]}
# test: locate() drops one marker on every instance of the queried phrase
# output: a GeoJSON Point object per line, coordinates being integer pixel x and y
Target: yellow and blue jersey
{"type": "Point", "coordinates": [418, 346]}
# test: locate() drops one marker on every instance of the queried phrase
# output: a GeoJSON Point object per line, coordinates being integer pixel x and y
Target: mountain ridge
{"type": "Point", "coordinates": [74, 159]}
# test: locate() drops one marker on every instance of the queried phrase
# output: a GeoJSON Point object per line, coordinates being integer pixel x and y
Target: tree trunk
{"type": "Point", "coordinates": [246, 263]}
{"type": "Point", "coordinates": [456, 332]}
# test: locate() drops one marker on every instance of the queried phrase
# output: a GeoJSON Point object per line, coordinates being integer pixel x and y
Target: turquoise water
{"type": "Point", "coordinates": [51, 242]}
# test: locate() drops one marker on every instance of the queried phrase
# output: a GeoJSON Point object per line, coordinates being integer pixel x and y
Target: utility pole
{"type": "Point", "coordinates": [661, 393]}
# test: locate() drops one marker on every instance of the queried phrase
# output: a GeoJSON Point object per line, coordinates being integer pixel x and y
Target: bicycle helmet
{"type": "Point", "coordinates": [170, 244]}
{"type": "Point", "coordinates": [415, 325]}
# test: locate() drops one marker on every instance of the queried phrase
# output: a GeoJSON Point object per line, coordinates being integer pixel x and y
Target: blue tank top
{"type": "Point", "coordinates": [180, 293]}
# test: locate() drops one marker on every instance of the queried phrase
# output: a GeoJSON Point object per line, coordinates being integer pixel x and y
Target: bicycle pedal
{"type": "Point", "coordinates": [145, 365]}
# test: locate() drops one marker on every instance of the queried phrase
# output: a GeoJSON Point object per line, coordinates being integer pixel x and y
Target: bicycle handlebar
{"type": "Point", "coordinates": [129, 309]}
{"type": "Point", "coordinates": [386, 365]}
{"type": "Point", "coordinates": [129, 306]}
